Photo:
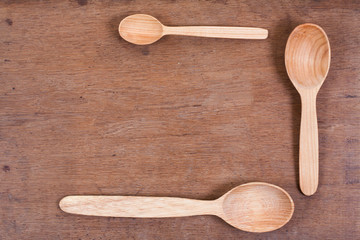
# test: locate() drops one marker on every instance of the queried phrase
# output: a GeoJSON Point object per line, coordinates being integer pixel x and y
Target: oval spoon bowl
{"type": "Point", "coordinates": [140, 29]}
{"type": "Point", "coordinates": [267, 207]}
{"type": "Point", "coordinates": [307, 56]}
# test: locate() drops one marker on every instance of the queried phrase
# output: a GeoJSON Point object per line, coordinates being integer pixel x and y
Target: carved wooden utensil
{"type": "Point", "coordinates": [144, 29]}
{"type": "Point", "coordinates": [307, 60]}
{"type": "Point", "coordinates": [252, 207]}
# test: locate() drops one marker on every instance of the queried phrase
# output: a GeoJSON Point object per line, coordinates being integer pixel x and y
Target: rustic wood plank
{"type": "Point", "coordinates": [84, 112]}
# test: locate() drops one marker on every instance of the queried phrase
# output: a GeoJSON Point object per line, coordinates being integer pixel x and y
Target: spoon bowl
{"type": "Point", "coordinates": [144, 29]}
{"type": "Point", "coordinates": [141, 29]}
{"type": "Point", "coordinates": [307, 56]}
{"type": "Point", "coordinates": [257, 207]}
{"type": "Point", "coordinates": [252, 207]}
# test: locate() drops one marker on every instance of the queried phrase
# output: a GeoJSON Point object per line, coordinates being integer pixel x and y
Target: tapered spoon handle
{"type": "Point", "coordinates": [140, 207]}
{"type": "Point", "coordinates": [218, 32]}
{"type": "Point", "coordinates": [309, 144]}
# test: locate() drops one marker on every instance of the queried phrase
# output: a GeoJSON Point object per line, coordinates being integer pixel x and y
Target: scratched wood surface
{"type": "Point", "coordinates": [84, 112]}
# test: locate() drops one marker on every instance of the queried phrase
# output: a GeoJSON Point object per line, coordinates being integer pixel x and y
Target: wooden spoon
{"type": "Point", "coordinates": [144, 29]}
{"type": "Point", "coordinates": [252, 207]}
{"type": "Point", "coordinates": [307, 60]}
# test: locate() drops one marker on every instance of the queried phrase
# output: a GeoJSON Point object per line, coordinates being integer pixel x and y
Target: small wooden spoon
{"type": "Point", "coordinates": [252, 207]}
{"type": "Point", "coordinates": [144, 29]}
{"type": "Point", "coordinates": [307, 60]}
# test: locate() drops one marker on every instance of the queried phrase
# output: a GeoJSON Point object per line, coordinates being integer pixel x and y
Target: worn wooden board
{"type": "Point", "coordinates": [84, 112]}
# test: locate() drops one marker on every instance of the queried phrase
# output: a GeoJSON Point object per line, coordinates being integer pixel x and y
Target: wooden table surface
{"type": "Point", "coordinates": [84, 112]}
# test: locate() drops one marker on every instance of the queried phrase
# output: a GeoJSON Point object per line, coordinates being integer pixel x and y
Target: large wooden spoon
{"type": "Point", "coordinates": [144, 29]}
{"type": "Point", "coordinates": [307, 60]}
{"type": "Point", "coordinates": [252, 207]}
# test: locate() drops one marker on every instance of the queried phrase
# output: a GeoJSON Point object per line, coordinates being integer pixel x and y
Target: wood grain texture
{"type": "Point", "coordinates": [84, 112]}
{"type": "Point", "coordinates": [252, 207]}
{"type": "Point", "coordinates": [144, 29]}
{"type": "Point", "coordinates": [307, 61]}
{"type": "Point", "coordinates": [309, 144]}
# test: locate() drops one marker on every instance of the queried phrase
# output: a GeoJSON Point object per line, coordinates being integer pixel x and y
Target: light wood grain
{"type": "Point", "coordinates": [137, 206]}
{"type": "Point", "coordinates": [307, 60]}
{"type": "Point", "coordinates": [144, 29]}
{"type": "Point", "coordinates": [252, 207]}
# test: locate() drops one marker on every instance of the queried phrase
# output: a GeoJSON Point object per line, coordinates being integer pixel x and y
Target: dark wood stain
{"type": "Point", "coordinates": [145, 50]}
{"type": "Point", "coordinates": [9, 21]}
{"type": "Point", "coordinates": [82, 2]}
{"type": "Point", "coordinates": [6, 168]}
{"type": "Point", "coordinates": [184, 117]}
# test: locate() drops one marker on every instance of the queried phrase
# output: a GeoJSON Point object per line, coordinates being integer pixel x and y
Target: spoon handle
{"type": "Point", "coordinates": [218, 32]}
{"type": "Point", "coordinates": [309, 144]}
{"type": "Point", "coordinates": [133, 206]}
